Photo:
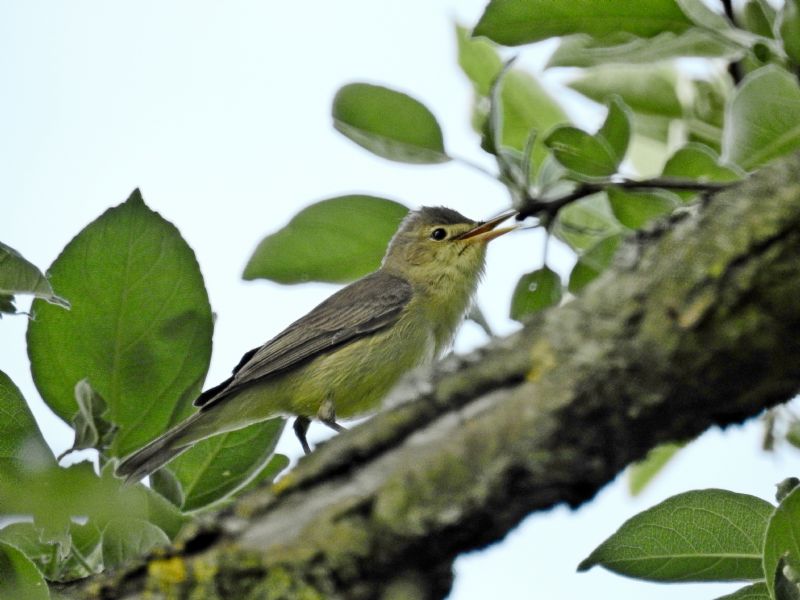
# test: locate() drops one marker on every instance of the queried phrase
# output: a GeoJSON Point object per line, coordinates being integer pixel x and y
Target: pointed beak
{"type": "Point", "coordinates": [484, 232]}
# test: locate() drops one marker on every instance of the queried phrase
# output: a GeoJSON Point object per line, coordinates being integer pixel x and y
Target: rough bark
{"type": "Point", "coordinates": [697, 324]}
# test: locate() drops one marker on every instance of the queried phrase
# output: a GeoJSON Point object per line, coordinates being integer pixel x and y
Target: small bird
{"type": "Point", "coordinates": [344, 356]}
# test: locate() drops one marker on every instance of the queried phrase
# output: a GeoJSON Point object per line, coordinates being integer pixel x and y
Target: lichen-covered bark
{"type": "Point", "coordinates": [697, 324]}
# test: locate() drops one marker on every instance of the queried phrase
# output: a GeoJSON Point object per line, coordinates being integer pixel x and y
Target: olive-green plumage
{"type": "Point", "coordinates": [345, 355]}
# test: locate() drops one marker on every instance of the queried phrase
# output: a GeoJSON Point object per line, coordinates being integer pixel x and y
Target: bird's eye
{"type": "Point", "coordinates": [439, 234]}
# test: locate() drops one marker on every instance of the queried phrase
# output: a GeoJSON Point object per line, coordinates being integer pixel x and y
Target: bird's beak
{"type": "Point", "coordinates": [484, 232]}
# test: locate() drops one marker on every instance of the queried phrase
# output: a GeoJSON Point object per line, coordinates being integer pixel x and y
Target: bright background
{"type": "Point", "coordinates": [220, 113]}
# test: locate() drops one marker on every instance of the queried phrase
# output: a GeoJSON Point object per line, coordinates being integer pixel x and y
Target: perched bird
{"type": "Point", "coordinates": [344, 356]}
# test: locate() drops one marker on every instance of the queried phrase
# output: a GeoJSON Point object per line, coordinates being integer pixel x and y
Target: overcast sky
{"type": "Point", "coordinates": [220, 113]}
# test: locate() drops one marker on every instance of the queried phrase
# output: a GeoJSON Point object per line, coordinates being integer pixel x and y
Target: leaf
{"type": "Point", "coordinates": [585, 51]}
{"type": "Point", "coordinates": [699, 162]}
{"type": "Point", "coordinates": [479, 60]}
{"type": "Point", "coordinates": [641, 473]}
{"type": "Point", "coordinates": [758, 17]}
{"type": "Point", "coordinates": [19, 576]}
{"type": "Point", "coordinates": [782, 535]}
{"type": "Point", "coordinates": [219, 466]}
{"type": "Point", "coordinates": [636, 209]}
{"type": "Point", "coordinates": [616, 129]}
{"type": "Point", "coordinates": [21, 442]}
{"type": "Point", "coordinates": [763, 119]}
{"type": "Point", "coordinates": [587, 156]}
{"type": "Point", "coordinates": [646, 89]}
{"type": "Point", "coordinates": [593, 262]}
{"type": "Point", "coordinates": [789, 29]}
{"type": "Point", "coordinates": [128, 539]}
{"type": "Point", "coordinates": [511, 22]}
{"type": "Point", "coordinates": [535, 291]}
{"type": "Point", "coordinates": [337, 240]}
{"type": "Point", "coordinates": [388, 123]}
{"type": "Point", "coordinates": [92, 430]}
{"type": "Point", "coordinates": [756, 591]}
{"type": "Point", "coordinates": [139, 329]}
{"type": "Point", "coordinates": [702, 535]}
{"type": "Point", "coordinates": [583, 223]}
{"type": "Point", "coordinates": [18, 276]}
{"type": "Point", "coordinates": [274, 467]}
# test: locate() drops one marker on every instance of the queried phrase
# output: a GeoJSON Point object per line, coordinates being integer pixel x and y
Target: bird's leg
{"type": "Point", "coordinates": [327, 415]}
{"type": "Point", "coordinates": [301, 425]}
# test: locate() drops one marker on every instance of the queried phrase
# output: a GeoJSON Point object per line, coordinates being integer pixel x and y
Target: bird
{"type": "Point", "coordinates": [343, 357]}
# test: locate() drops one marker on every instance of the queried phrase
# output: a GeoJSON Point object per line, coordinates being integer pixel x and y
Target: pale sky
{"type": "Point", "coordinates": [220, 113]}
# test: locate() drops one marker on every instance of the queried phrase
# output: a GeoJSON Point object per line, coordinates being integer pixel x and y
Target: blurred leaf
{"type": "Point", "coordinates": [641, 473]}
{"type": "Point", "coordinates": [7, 305]}
{"type": "Point", "coordinates": [511, 23]}
{"type": "Point", "coordinates": [699, 162]}
{"type": "Point", "coordinates": [535, 291]}
{"type": "Point", "coordinates": [18, 276]}
{"type": "Point", "coordinates": [273, 468]}
{"type": "Point", "coordinates": [585, 155]}
{"type": "Point", "coordinates": [616, 129]}
{"type": "Point", "coordinates": [478, 59]}
{"type": "Point", "coordinates": [593, 262]}
{"type": "Point", "coordinates": [388, 123]}
{"type": "Point", "coordinates": [636, 209]}
{"type": "Point", "coordinates": [19, 576]}
{"type": "Point", "coordinates": [702, 535]}
{"type": "Point", "coordinates": [758, 17]}
{"type": "Point", "coordinates": [219, 466]}
{"type": "Point", "coordinates": [763, 120]}
{"type": "Point", "coordinates": [167, 485]}
{"type": "Point", "coordinates": [338, 240]}
{"type": "Point", "coordinates": [782, 535]}
{"type": "Point", "coordinates": [139, 329]}
{"type": "Point", "coordinates": [647, 89]}
{"type": "Point", "coordinates": [756, 591]}
{"type": "Point", "coordinates": [127, 539]}
{"type": "Point", "coordinates": [92, 430]}
{"type": "Point", "coordinates": [585, 51]}
{"type": "Point", "coordinates": [583, 223]}
{"type": "Point", "coordinates": [21, 442]}
{"type": "Point", "coordinates": [789, 29]}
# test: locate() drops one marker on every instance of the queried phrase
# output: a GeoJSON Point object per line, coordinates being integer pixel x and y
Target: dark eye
{"type": "Point", "coordinates": [439, 234]}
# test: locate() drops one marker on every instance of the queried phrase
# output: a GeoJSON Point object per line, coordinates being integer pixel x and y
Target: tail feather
{"type": "Point", "coordinates": [158, 452]}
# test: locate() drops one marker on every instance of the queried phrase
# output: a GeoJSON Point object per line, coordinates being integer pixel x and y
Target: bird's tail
{"type": "Point", "coordinates": [161, 450]}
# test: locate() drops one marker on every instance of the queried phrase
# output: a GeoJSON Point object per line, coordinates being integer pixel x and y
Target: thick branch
{"type": "Point", "coordinates": [696, 324]}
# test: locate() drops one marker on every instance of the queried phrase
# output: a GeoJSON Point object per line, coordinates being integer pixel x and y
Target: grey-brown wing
{"type": "Point", "coordinates": [362, 308]}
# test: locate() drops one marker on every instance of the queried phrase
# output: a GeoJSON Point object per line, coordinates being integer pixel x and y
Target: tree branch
{"type": "Point", "coordinates": [697, 324]}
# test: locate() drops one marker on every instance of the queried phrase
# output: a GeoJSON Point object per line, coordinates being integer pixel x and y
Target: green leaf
{"type": "Point", "coordinates": [587, 156]}
{"type": "Point", "coordinates": [756, 591]}
{"type": "Point", "coordinates": [535, 291]}
{"type": "Point", "coordinates": [479, 60]}
{"type": "Point", "coordinates": [337, 240]}
{"type": "Point", "coordinates": [18, 276]}
{"type": "Point", "coordinates": [21, 442]}
{"type": "Point", "coordinates": [139, 329]}
{"type": "Point", "coordinates": [276, 464]}
{"type": "Point", "coordinates": [583, 223]}
{"type": "Point", "coordinates": [641, 473]}
{"type": "Point", "coordinates": [127, 539]}
{"type": "Point", "coordinates": [388, 123]}
{"type": "Point", "coordinates": [699, 162]}
{"type": "Point", "coordinates": [511, 22]}
{"type": "Point", "coordinates": [92, 430]}
{"type": "Point", "coordinates": [763, 120]}
{"type": "Point", "coordinates": [789, 29]}
{"type": "Point", "coordinates": [586, 51]}
{"type": "Point", "coordinates": [593, 262]}
{"type": "Point", "coordinates": [782, 535]}
{"type": "Point", "coordinates": [19, 576]}
{"type": "Point", "coordinates": [758, 17]}
{"type": "Point", "coordinates": [616, 129]}
{"type": "Point", "coordinates": [219, 466]}
{"type": "Point", "coordinates": [702, 535]}
{"type": "Point", "coordinates": [647, 89]}
{"type": "Point", "coordinates": [526, 106]}
{"type": "Point", "coordinates": [635, 210]}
